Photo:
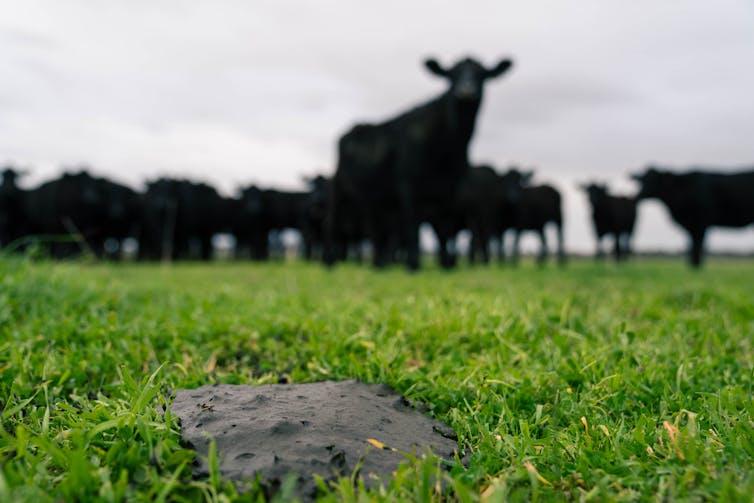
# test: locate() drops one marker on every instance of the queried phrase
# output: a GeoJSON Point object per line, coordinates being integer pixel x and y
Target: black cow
{"type": "Point", "coordinates": [409, 167]}
{"type": "Point", "coordinates": [79, 212]}
{"type": "Point", "coordinates": [698, 200]}
{"type": "Point", "coordinates": [249, 224]}
{"type": "Point", "coordinates": [535, 207]}
{"type": "Point", "coordinates": [612, 216]}
{"type": "Point", "coordinates": [484, 198]}
{"type": "Point", "coordinates": [179, 219]}
{"type": "Point", "coordinates": [262, 211]}
{"type": "Point", "coordinates": [13, 220]}
{"type": "Point", "coordinates": [313, 222]}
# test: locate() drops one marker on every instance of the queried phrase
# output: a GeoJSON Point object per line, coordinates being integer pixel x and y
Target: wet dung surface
{"type": "Point", "coordinates": [317, 428]}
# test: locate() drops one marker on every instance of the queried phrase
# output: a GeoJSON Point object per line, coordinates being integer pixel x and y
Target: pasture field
{"type": "Point", "coordinates": [591, 382]}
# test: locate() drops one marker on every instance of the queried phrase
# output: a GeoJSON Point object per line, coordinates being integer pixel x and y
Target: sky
{"type": "Point", "coordinates": [238, 92]}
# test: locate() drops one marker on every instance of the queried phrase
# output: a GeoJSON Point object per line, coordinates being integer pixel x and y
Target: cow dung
{"type": "Point", "coordinates": [319, 428]}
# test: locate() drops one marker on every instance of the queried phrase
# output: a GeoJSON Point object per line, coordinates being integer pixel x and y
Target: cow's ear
{"type": "Point", "coordinates": [503, 66]}
{"type": "Point", "coordinates": [526, 176]}
{"type": "Point", "coordinates": [637, 176]}
{"type": "Point", "coordinates": [434, 66]}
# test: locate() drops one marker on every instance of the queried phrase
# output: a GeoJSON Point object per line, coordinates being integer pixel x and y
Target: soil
{"type": "Point", "coordinates": [320, 428]}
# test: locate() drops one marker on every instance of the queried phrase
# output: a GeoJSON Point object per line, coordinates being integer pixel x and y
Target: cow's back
{"type": "Point", "coordinates": [731, 197]}
{"type": "Point", "coordinates": [623, 213]}
{"type": "Point", "coordinates": [698, 199]}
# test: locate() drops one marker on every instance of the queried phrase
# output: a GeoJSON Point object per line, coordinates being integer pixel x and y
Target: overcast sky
{"type": "Point", "coordinates": [235, 92]}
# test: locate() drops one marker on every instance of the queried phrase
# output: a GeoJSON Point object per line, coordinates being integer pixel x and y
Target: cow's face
{"type": "Point", "coordinates": [253, 202]}
{"type": "Point", "coordinates": [521, 178]}
{"type": "Point", "coordinates": [467, 77]}
{"type": "Point", "coordinates": [161, 194]}
{"type": "Point", "coordinates": [651, 181]}
{"type": "Point", "coordinates": [513, 182]}
{"type": "Point", "coordinates": [10, 176]}
{"type": "Point", "coordinates": [595, 191]}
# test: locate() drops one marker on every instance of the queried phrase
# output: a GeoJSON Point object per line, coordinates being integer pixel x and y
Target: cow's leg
{"type": "Point", "coordinates": [627, 246]}
{"type": "Point", "coordinates": [442, 250]}
{"type": "Point", "coordinates": [599, 255]}
{"type": "Point", "coordinates": [473, 246]}
{"type": "Point", "coordinates": [697, 247]}
{"type": "Point", "coordinates": [617, 247]}
{"type": "Point", "coordinates": [264, 245]}
{"type": "Point", "coordinates": [330, 228]}
{"type": "Point", "coordinates": [380, 247]}
{"type": "Point", "coordinates": [447, 257]}
{"type": "Point", "coordinates": [410, 227]}
{"type": "Point", "coordinates": [485, 244]}
{"type": "Point", "coordinates": [516, 242]}
{"type": "Point", "coordinates": [451, 249]}
{"type": "Point", "coordinates": [307, 244]}
{"type": "Point", "coordinates": [412, 244]}
{"type": "Point", "coordinates": [206, 247]}
{"type": "Point", "coordinates": [561, 244]}
{"type": "Point", "coordinates": [501, 248]}
{"type": "Point", "coordinates": [622, 244]}
{"type": "Point", "coordinates": [543, 246]}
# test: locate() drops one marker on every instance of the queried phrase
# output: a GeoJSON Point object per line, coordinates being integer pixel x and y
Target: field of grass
{"type": "Point", "coordinates": [588, 383]}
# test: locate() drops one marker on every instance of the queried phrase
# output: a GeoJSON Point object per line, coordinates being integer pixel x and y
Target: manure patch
{"type": "Point", "coordinates": [325, 428]}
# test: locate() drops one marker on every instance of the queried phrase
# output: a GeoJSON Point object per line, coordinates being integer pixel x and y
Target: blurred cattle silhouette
{"type": "Point", "coordinates": [262, 211]}
{"type": "Point", "coordinates": [408, 168]}
{"type": "Point", "coordinates": [535, 207]}
{"type": "Point", "coordinates": [178, 219]}
{"type": "Point", "coordinates": [485, 200]}
{"type": "Point", "coordinates": [612, 216]}
{"type": "Point", "coordinates": [91, 210]}
{"type": "Point", "coordinates": [698, 200]}
{"type": "Point", "coordinates": [390, 177]}
{"type": "Point", "coordinates": [13, 224]}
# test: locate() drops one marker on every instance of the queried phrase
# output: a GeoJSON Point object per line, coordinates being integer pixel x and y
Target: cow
{"type": "Point", "coordinates": [535, 207]}
{"type": "Point", "coordinates": [483, 199]}
{"type": "Point", "coordinates": [13, 220]}
{"type": "Point", "coordinates": [249, 224]}
{"type": "Point", "coordinates": [698, 200]}
{"type": "Point", "coordinates": [409, 167]}
{"type": "Point", "coordinates": [612, 216]}
{"type": "Point", "coordinates": [179, 219]}
{"type": "Point", "coordinates": [348, 237]}
{"type": "Point", "coordinates": [78, 212]}
{"type": "Point", "coordinates": [262, 211]}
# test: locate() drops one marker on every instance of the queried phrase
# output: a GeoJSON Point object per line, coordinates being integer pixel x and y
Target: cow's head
{"type": "Point", "coordinates": [10, 175]}
{"type": "Point", "coordinates": [522, 178]}
{"type": "Point", "coordinates": [467, 76]}
{"type": "Point", "coordinates": [162, 194]}
{"type": "Point", "coordinates": [252, 200]}
{"type": "Point", "coordinates": [595, 191]}
{"type": "Point", "coordinates": [513, 181]}
{"type": "Point", "coordinates": [652, 182]}
{"type": "Point", "coordinates": [84, 186]}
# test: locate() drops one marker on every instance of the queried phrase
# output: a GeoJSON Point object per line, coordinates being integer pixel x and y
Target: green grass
{"type": "Point", "coordinates": [588, 383]}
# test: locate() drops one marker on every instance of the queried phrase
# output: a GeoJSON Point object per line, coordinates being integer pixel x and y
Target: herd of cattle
{"type": "Point", "coordinates": [390, 178]}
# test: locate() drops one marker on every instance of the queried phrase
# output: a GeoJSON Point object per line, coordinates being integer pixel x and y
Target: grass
{"type": "Point", "coordinates": [588, 383]}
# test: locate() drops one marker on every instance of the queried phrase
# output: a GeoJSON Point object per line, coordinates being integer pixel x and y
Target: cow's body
{"type": "Point", "coordinates": [261, 211]}
{"type": "Point", "coordinates": [87, 209]}
{"type": "Point", "coordinates": [179, 219]}
{"type": "Point", "coordinates": [485, 199]}
{"type": "Point", "coordinates": [536, 207]}
{"type": "Point", "coordinates": [13, 218]}
{"type": "Point", "coordinates": [698, 200]}
{"type": "Point", "coordinates": [612, 216]}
